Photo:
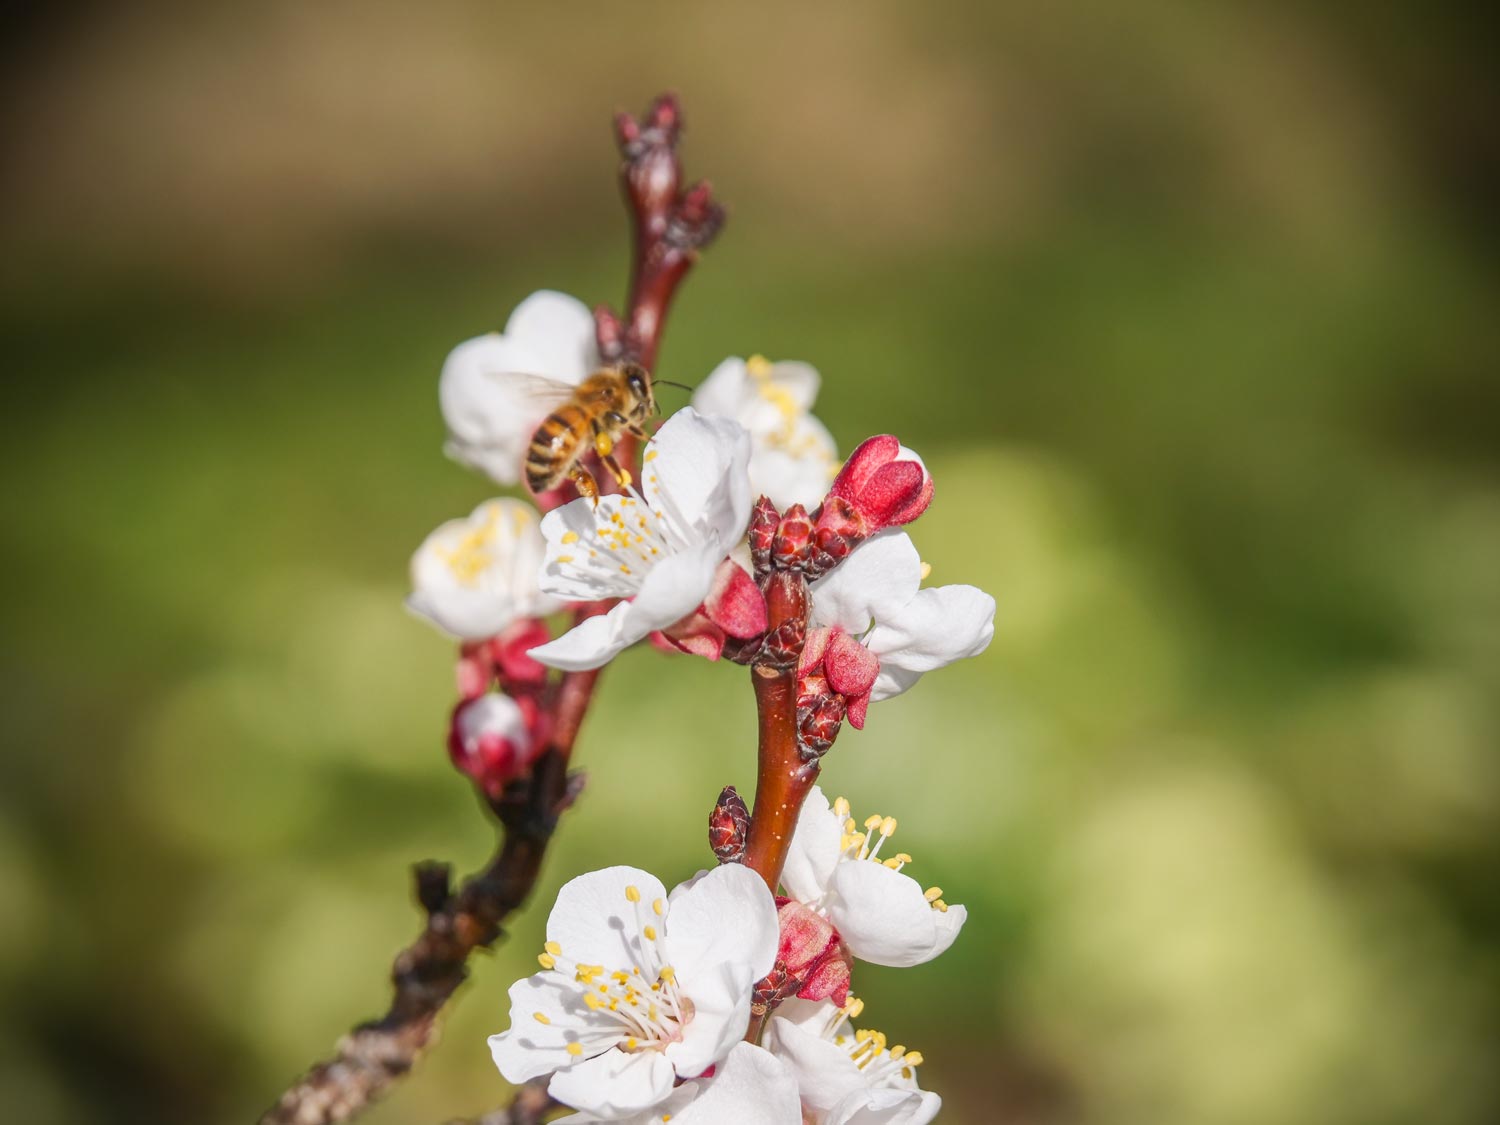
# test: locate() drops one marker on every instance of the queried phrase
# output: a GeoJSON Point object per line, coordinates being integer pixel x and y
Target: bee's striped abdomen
{"type": "Point", "coordinates": [555, 446]}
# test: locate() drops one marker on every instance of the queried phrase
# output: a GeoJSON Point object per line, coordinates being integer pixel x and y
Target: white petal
{"type": "Point", "coordinates": [488, 417]}
{"type": "Point", "coordinates": [814, 850]}
{"type": "Point", "coordinates": [825, 1072]}
{"type": "Point", "coordinates": [886, 1107]}
{"type": "Point", "coordinates": [580, 566]}
{"type": "Point", "coordinates": [596, 923]}
{"type": "Point", "coordinates": [559, 330]}
{"type": "Point", "coordinates": [614, 1084]}
{"type": "Point", "coordinates": [696, 472]}
{"type": "Point", "coordinates": [721, 1012]}
{"type": "Point", "coordinates": [530, 1048]}
{"type": "Point", "coordinates": [751, 1087]}
{"type": "Point", "coordinates": [884, 918]}
{"type": "Point", "coordinates": [726, 917]}
{"type": "Point", "coordinates": [591, 643]}
{"type": "Point", "coordinates": [879, 577]}
{"type": "Point", "coordinates": [933, 629]}
{"type": "Point", "coordinates": [721, 392]}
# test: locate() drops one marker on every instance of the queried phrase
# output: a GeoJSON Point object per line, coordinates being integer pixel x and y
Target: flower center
{"type": "Point", "coordinates": [856, 846]}
{"type": "Point", "coordinates": [879, 1064]}
{"type": "Point", "coordinates": [627, 532]}
{"type": "Point", "coordinates": [642, 1005]}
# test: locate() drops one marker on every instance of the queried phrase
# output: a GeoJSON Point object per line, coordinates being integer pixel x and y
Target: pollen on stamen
{"type": "Point", "coordinates": [570, 537]}
{"type": "Point", "coordinates": [932, 894]}
{"type": "Point", "coordinates": [553, 948]}
{"type": "Point", "coordinates": [575, 1049]}
{"type": "Point", "coordinates": [658, 907]}
{"type": "Point", "coordinates": [564, 558]}
{"type": "Point", "coordinates": [650, 932]}
{"type": "Point", "coordinates": [888, 826]}
{"type": "Point", "coordinates": [540, 1017]}
{"type": "Point", "coordinates": [633, 893]}
{"type": "Point", "coordinates": [546, 961]}
{"type": "Point", "coordinates": [873, 821]}
{"type": "Point", "coordinates": [926, 570]}
{"type": "Point", "coordinates": [650, 456]}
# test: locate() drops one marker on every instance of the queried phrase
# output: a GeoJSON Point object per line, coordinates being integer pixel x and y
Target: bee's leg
{"type": "Point", "coordinates": [617, 470]}
{"type": "Point", "coordinates": [583, 480]}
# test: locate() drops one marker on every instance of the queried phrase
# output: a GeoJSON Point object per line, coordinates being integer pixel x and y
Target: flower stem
{"type": "Point", "coordinates": [783, 776]}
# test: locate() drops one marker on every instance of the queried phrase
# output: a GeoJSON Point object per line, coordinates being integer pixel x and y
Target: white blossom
{"type": "Point", "coordinates": [847, 1076]}
{"type": "Point", "coordinates": [473, 577]}
{"type": "Point", "coordinates": [875, 596]}
{"type": "Point", "coordinates": [750, 1087]}
{"type": "Point", "coordinates": [487, 389]}
{"type": "Point", "coordinates": [639, 989]}
{"type": "Point", "coordinates": [834, 866]}
{"type": "Point", "coordinates": [657, 547]}
{"type": "Point", "coordinates": [793, 458]}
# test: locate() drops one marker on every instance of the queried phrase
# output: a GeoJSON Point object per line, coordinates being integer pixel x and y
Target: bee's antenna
{"type": "Point", "coordinates": [669, 383]}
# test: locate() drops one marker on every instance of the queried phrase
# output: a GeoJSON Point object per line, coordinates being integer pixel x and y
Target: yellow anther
{"type": "Point", "coordinates": [667, 974]}
{"type": "Point", "coordinates": [553, 948]}
{"type": "Point", "coordinates": [854, 1008]}
{"type": "Point", "coordinates": [840, 807]}
{"type": "Point", "coordinates": [650, 932]}
{"type": "Point", "coordinates": [570, 537]}
{"type": "Point", "coordinates": [893, 863]}
{"type": "Point", "coordinates": [540, 1017]}
{"type": "Point", "coordinates": [625, 569]}
{"type": "Point", "coordinates": [651, 1012]}
{"type": "Point", "coordinates": [932, 894]}
{"type": "Point", "coordinates": [564, 558]}
{"type": "Point", "coordinates": [658, 907]}
{"type": "Point", "coordinates": [926, 570]}
{"type": "Point", "coordinates": [575, 1049]}
{"type": "Point", "coordinates": [902, 857]}
{"type": "Point", "coordinates": [850, 826]}
{"type": "Point", "coordinates": [897, 1051]}
{"type": "Point", "coordinates": [758, 366]}
{"type": "Point", "coordinates": [592, 1002]}
{"type": "Point", "coordinates": [650, 456]}
{"type": "Point", "coordinates": [874, 821]}
{"type": "Point", "coordinates": [888, 826]}
{"type": "Point", "coordinates": [914, 1058]}
{"type": "Point", "coordinates": [941, 906]}
{"type": "Point", "coordinates": [633, 893]}
{"type": "Point", "coordinates": [631, 1043]}
{"type": "Point", "coordinates": [546, 961]}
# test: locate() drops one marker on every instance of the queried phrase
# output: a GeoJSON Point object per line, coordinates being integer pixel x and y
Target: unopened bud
{"type": "Point", "coordinates": [764, 519]}
{"type": "Point", "coordinates": [791, 549]}
{"type": "Point", "coordinates": [728, 826]}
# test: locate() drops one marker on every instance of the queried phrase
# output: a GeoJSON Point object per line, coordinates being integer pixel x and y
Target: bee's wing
{"type": "Point", "coordinates": [539, 393]}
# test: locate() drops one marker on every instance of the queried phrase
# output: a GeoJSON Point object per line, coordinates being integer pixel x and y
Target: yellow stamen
{"type": "Point", "coordinates": [570, 537]}
{"type": "Point", "coordinates": [540, 1017]}
{"type": "Point", "coordinates": [658, 907]}
{"type": "Point", "coordinates": [553, 948]}
{"type": "Point", "coordinates": [545, 961]}
{"type": "Point", "coordinates": [633, 893]}
{"type": "Point", "coordinates": [932, 894]}
{"type": "Point", "coordinates": [650, 932]}
{"type": "Point", "coordinates": [575, 1049]}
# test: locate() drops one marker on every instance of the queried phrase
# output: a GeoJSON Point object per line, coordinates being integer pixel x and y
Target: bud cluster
{"type": "Point", "coordinates": [728, 826]}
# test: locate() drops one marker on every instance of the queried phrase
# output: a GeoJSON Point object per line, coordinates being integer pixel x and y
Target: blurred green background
{"type": "Point", "coordinates": [1191, 309]}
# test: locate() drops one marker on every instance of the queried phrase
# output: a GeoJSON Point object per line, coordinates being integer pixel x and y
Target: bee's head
{"type": "Point", "coordinates": [638, 379]}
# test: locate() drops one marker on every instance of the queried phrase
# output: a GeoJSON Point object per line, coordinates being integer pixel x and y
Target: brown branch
{"type": "Point", "coordinates": [530, 1106]}
{"type": "Point", "coordinates": [669, 228]}
{"type": "Point", "coordinates": [784, 774]}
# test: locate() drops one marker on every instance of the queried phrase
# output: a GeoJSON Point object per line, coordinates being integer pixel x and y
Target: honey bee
{"type": "Point", "coordinates": [609, 403]}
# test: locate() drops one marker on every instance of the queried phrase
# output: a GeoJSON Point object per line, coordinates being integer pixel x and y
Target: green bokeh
{"type": "Point", "coordinates": [1191, 317]}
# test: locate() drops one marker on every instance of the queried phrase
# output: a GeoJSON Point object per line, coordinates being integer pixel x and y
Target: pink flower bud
{"type": "Point", "coordinates": [812, 953]}
{"type": "Point", "coordinates": [494, 739]}
{"type": "Point", "coordinates": [735, 603]}
{"type": "Point", "coordinates": [885, 483]}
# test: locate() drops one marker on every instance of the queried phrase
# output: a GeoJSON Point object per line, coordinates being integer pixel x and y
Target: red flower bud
{"type": "Point", "coordinates": [764, 519]}
{"type": "Point", "coordinates": [884, 484]}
